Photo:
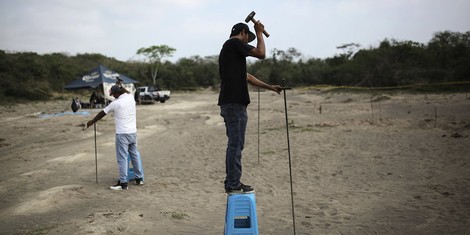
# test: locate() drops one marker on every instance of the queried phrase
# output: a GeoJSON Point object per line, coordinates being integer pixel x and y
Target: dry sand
{"type": "Point", "coordinates": [387, 167]}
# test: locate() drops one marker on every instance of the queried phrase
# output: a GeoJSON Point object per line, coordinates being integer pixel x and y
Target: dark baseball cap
{"type": "Point", "coordinates": [115, 89]}
{"type": "Point", "coordinates": [238, 28]}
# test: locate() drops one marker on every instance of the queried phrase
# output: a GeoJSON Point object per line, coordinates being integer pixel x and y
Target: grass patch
{"type": "Point", "coordinates": [275, 128]}
{"type": "Point", "coordinates": [177, 215]}
{"type": "Point", "coordinates": [309, 128]}
{"type": "Point", "coordinates": [449, 87]}
{"type": "Point", "coordinates": [270, 152]}
{"type": "Point", "coordinates": [42, 230]}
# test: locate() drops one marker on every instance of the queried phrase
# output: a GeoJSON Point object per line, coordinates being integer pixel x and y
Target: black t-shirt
{"type": "Point", "coordinates": [232, 71]}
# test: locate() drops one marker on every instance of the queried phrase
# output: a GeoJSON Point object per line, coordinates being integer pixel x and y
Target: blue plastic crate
{"type": "Point", "coordinates": [240, 216]}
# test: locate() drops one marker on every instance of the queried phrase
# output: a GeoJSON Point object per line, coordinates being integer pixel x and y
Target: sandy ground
{"type": "Point", "coordinates": [396, 165]}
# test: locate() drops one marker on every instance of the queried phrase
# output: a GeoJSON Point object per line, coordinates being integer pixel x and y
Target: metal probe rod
{"type": "Point", "coordinates": [96, 154]}
{"type": "Point", "coordinates": [284, 88]}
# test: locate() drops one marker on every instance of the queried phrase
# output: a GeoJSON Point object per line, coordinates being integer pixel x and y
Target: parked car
{"type": "Point", "coordinates": [150, 93]}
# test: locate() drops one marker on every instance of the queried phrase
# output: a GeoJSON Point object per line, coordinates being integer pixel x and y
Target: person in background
{"type": "Point", "coordinates": [93, 99]}
{"type": "Point", "coordinates": [76, 104]}
{"type": "Point", "coordinates": [234, 98]}
{"type": "Point", "coordinates": [124, 109]}
{"type": "Point", "coordinates": [137, 96]}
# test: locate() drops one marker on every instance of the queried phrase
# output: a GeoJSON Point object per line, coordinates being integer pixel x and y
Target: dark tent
{"type": "Point", "coordinates": [99, 75]}
{"type": "Point", "coordinates": [101, 79]}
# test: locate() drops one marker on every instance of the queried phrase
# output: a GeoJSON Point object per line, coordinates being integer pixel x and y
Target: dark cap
{"type": "Point", "coordinates": [238, 28]}
{"type": "Point", "coordinates": [115, 89]}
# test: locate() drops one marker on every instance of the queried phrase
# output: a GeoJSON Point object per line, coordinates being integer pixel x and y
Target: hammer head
{"type": "Point", "coordinates": [250, 16]}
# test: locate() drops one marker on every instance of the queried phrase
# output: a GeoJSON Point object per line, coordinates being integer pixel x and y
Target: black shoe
{"type": "Point", "coordinates": [119, 186]}
{"type": "Point", "coordinates": [241, 189]}
{"type": "Point", "coordinates": [139, 181]}
{"type": "Point", "coordinates": [230, 191]}
{"type": "Point", "coordinates": [246, 188]}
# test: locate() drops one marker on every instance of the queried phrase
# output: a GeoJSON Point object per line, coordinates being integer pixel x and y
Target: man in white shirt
{"type": "Point", "coordinates": [126, 134]}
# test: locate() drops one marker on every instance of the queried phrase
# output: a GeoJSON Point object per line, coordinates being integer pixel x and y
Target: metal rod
{"type": "Point", "coordinates": [258, 119]}
{"type": "Point", "coordinates": [288, 150]}
{"type": "Point", "coordinates": [372, 109]}
{"type": "Point", "coordinates": [96, 154]}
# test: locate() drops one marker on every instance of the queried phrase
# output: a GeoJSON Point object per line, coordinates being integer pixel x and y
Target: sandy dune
{"type": "Point", "coordinates": [367, 164]}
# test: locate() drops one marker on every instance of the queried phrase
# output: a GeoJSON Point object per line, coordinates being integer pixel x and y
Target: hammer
{"type": "Point", "coordinates": [119, 82]}
{"type": "Point", "coordinates": [250, 17]}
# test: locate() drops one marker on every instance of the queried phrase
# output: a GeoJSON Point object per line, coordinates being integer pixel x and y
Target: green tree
{"type": "Point", "coordinates": [451, 55]}
{"type": "Point", "coordinates": [154, 56]}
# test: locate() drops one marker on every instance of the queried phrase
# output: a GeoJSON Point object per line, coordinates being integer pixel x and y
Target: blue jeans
{"type": "Point", "coordinates": [126, 144]}
{"type": "Point", "coordinates": [235, 118]}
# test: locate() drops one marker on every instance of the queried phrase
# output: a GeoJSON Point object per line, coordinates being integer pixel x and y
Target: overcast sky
{"type": "Point", "coordinates": [118, 28]}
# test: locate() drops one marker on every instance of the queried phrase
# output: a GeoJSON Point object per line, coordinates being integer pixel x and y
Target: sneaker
{"type": "Point", "coordinates": [230, 190]}
{"type": "Point", "coordinates": [246, 188]}
{"type": "Point", "coordinates": [119, 186]}
{"type": "Point", "coordinates": [139, 181]}
{"type": "Point", "coordinates": [241, 189]}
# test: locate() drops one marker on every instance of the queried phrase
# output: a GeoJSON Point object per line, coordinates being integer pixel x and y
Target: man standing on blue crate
{"type": "Point", "coordinates": [126, 134]}
{"type": "Point", "coordinates": [234, 97]}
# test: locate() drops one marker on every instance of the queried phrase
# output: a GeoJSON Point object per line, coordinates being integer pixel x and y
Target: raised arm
{"type": "Point", "coordinates": [260, 50]}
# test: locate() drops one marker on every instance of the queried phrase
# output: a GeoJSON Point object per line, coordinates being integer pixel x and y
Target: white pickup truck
{"type": "Point", "coordinates": [148, 94]}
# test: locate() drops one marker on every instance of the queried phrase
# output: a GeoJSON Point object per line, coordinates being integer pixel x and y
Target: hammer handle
{"type": "Point", "coordinates": [264, 31]}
